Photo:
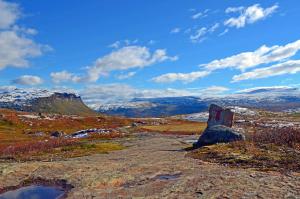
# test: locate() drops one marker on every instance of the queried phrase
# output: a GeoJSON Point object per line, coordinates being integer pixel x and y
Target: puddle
{"type": "Point", "coordinates": [162, 177]}
{"type": "Point", "coordinates": [37, 188]}
{"type": "Point", "coordinates": [167, 177]}
{"type": "Point", "coordinates": [34, 192]}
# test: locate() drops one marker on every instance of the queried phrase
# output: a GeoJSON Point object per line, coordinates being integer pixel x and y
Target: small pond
{"type": "Point", "coordinates": [34, 192]}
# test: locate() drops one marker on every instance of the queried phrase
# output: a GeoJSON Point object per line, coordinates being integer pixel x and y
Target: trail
{"type": "Point", "coordinates": [154, 166]}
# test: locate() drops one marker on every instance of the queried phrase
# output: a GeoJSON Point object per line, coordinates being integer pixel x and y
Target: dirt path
{"type": "Point", "coordinates": [154, 166]}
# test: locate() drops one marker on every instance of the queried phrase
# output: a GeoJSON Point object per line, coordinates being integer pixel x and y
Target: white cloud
{"type": "Point", "coordinates": [151, 42]}
{"type": "Point", "coordinates": [116, 44]}
{"type": "Point", "coordinates": [16, 48]}
{"type": "Point", "coordinates": [118, 93]}
{"type": "Point", "coordinates": [184, 77]}
{"type": "Point", "coordinates": [262, 55]}
{"type": "Point", "coordinates": [200, 34]}
{"type": "Point", "coordinates": [28, 80]}
{"type": "Point", "coordinates": [125, 58]}
{"type": "Point", "coordinates": [248, 15]}
{"type": "Point", "coordinates": [268, 89]}
{"type": "Point", "coordinates": [200, 14]}
{"type": "Point", "coordinates": [234, 9]}
{"type": "Point", "coordinates": [63, 76]}
{"type": "Point", "coordinates": [289, 67]}
{"type": "Point", "coordinates": [215, 90]}
{"type": "Point", "coordinates": [9, 13]}
{"type": "Point", "coordinates": [126, 42]}
{"type": "Point", "coordinates": [224, 32]}
{"type": "Point", "coordinates": [175, 30]}
{"type": "Point", "coordinates": [126, 76]}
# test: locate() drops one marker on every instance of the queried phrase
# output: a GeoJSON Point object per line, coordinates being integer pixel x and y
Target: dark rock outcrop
{"type": "Point", "coordinates": [219, 128]}
{"type": "Point", "coordinates": [218, 134]}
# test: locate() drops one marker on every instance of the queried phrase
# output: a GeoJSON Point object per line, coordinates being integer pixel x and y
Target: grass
{"type": "Point", "coordinates": [177, 127]}
{"type": "Point", "coordinates": [55, 149]}
{"type": "Point", "coordinates": [268, 150]}
{"type": "Point", "coordinates": [19, 143]}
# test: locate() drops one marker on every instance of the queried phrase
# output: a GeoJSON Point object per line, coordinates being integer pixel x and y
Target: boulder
{"type": "Point", "coordinates": [219, 128]}
{"type": "Point", "coordinates": [219, 116]}
{"type": "Point", "coordinates": [56, 134]}
{"type": "Point", "coordinates": [218, 134]}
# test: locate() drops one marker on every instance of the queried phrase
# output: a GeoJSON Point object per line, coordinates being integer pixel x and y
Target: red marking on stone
{"type": "Point", "coordinates": [218, 115]}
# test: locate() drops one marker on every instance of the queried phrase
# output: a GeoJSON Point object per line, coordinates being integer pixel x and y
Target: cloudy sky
{"type": "Point", "coordinates": [117, 50]}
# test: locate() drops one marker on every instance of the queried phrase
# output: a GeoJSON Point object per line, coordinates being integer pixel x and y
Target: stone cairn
{"type": "Point", "coordinates": [219, 128]}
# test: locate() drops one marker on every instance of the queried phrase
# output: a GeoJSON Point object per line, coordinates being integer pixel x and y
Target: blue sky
{"type": "Point", "coordinates": [143, 48]}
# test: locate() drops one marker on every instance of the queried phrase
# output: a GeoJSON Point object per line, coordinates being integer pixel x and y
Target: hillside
{"type": "Point", "coordinates": [44, 101]}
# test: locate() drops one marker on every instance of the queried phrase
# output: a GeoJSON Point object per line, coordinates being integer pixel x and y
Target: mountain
{"type": "Point", "coordinates": [44, 101]}
{"type": "Point", "coordinates": [154, 107]}
{"type": "Point", "coordinates": [281, 99]}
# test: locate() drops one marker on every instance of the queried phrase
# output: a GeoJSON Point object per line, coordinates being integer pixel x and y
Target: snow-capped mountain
{"type": "Point", "coordinates": [274, 99]}
{"type": "Point", "coordinates": [41, 100]}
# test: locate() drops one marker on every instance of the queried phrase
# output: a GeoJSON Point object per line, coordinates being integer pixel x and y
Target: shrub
{"type": "Point", "coordinates": [35, 146]}
{"type": "Point", "coordinates": [289, 137]}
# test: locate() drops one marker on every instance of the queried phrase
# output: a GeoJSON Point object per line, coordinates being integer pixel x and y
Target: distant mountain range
{"type": "Point", "coordinates": [39, 100]}
{"type": "Point", "coordinates": [273, 99]}
{"type": "Point", "coordinates": [44, 101]}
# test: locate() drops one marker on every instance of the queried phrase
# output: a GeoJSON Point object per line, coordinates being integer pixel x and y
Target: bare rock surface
{"type": "Point", "coordinates": [154, 166]}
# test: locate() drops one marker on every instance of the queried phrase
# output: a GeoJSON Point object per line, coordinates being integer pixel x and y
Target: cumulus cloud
{"type": "Point", "coordinates": [248, 15]}
{"type": "Point", "coordinates": [16, 47]}
{"type": "Point", "coordinates": [128, 57]}
{"type": "Point", "coordinates": [262, 55]}
{"type": "Point", "coordinates": [9, 13]}
{"type": "Point", "coordinates": [184, 77]}
{"type": "Point", "coordinates": [289, 67]}
{"type": "Point", "coordinates": [200, 34]}
{"type": "Point", "coordinates": [118, 93]}
{"type": "Point", "coordinates": [28, 80]}
{"type": "Point", "coordinates": [64, 76]}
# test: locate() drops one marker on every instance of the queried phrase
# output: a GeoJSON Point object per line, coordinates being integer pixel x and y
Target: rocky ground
{"type": "Point", "coordinates": [154, 166]}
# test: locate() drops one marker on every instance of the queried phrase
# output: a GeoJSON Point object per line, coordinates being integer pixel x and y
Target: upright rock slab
{"type": "Point", "coordinates": [219, 128]}
{"type": "Point", "coordinates": [219, 116]}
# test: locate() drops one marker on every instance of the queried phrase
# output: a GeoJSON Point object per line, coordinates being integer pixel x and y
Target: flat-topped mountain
{"type": "Point", "coordinates": [44, 101]}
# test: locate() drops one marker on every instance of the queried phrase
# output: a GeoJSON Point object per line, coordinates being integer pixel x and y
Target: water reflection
{"type": "Point", "coordinates": [33, 192]}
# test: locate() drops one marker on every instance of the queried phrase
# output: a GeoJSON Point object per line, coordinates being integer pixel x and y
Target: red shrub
{"type": "Point", "coordinates": [282, 136]}
{"type": "Point", "coordinates": [34, 146]}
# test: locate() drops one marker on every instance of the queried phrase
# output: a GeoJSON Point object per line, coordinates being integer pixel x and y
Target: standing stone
{"type": "Point", "coordinates": [219, 116]}
{"type": "Point", "coordinates": [219, 128]}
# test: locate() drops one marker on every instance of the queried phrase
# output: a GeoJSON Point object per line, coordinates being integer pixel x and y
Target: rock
{"type": "Point", "coordinates": [56, 134]}
{"type": "Point", "coordinates": [219, 116]}
{"type": "Point", "coordinates": [219, 128]}
{"type": "Point", "coordinates": [218, 134]}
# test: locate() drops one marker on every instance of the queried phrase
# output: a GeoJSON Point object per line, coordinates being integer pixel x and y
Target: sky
{"type": "Point", "coordinates": [112, 50]}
